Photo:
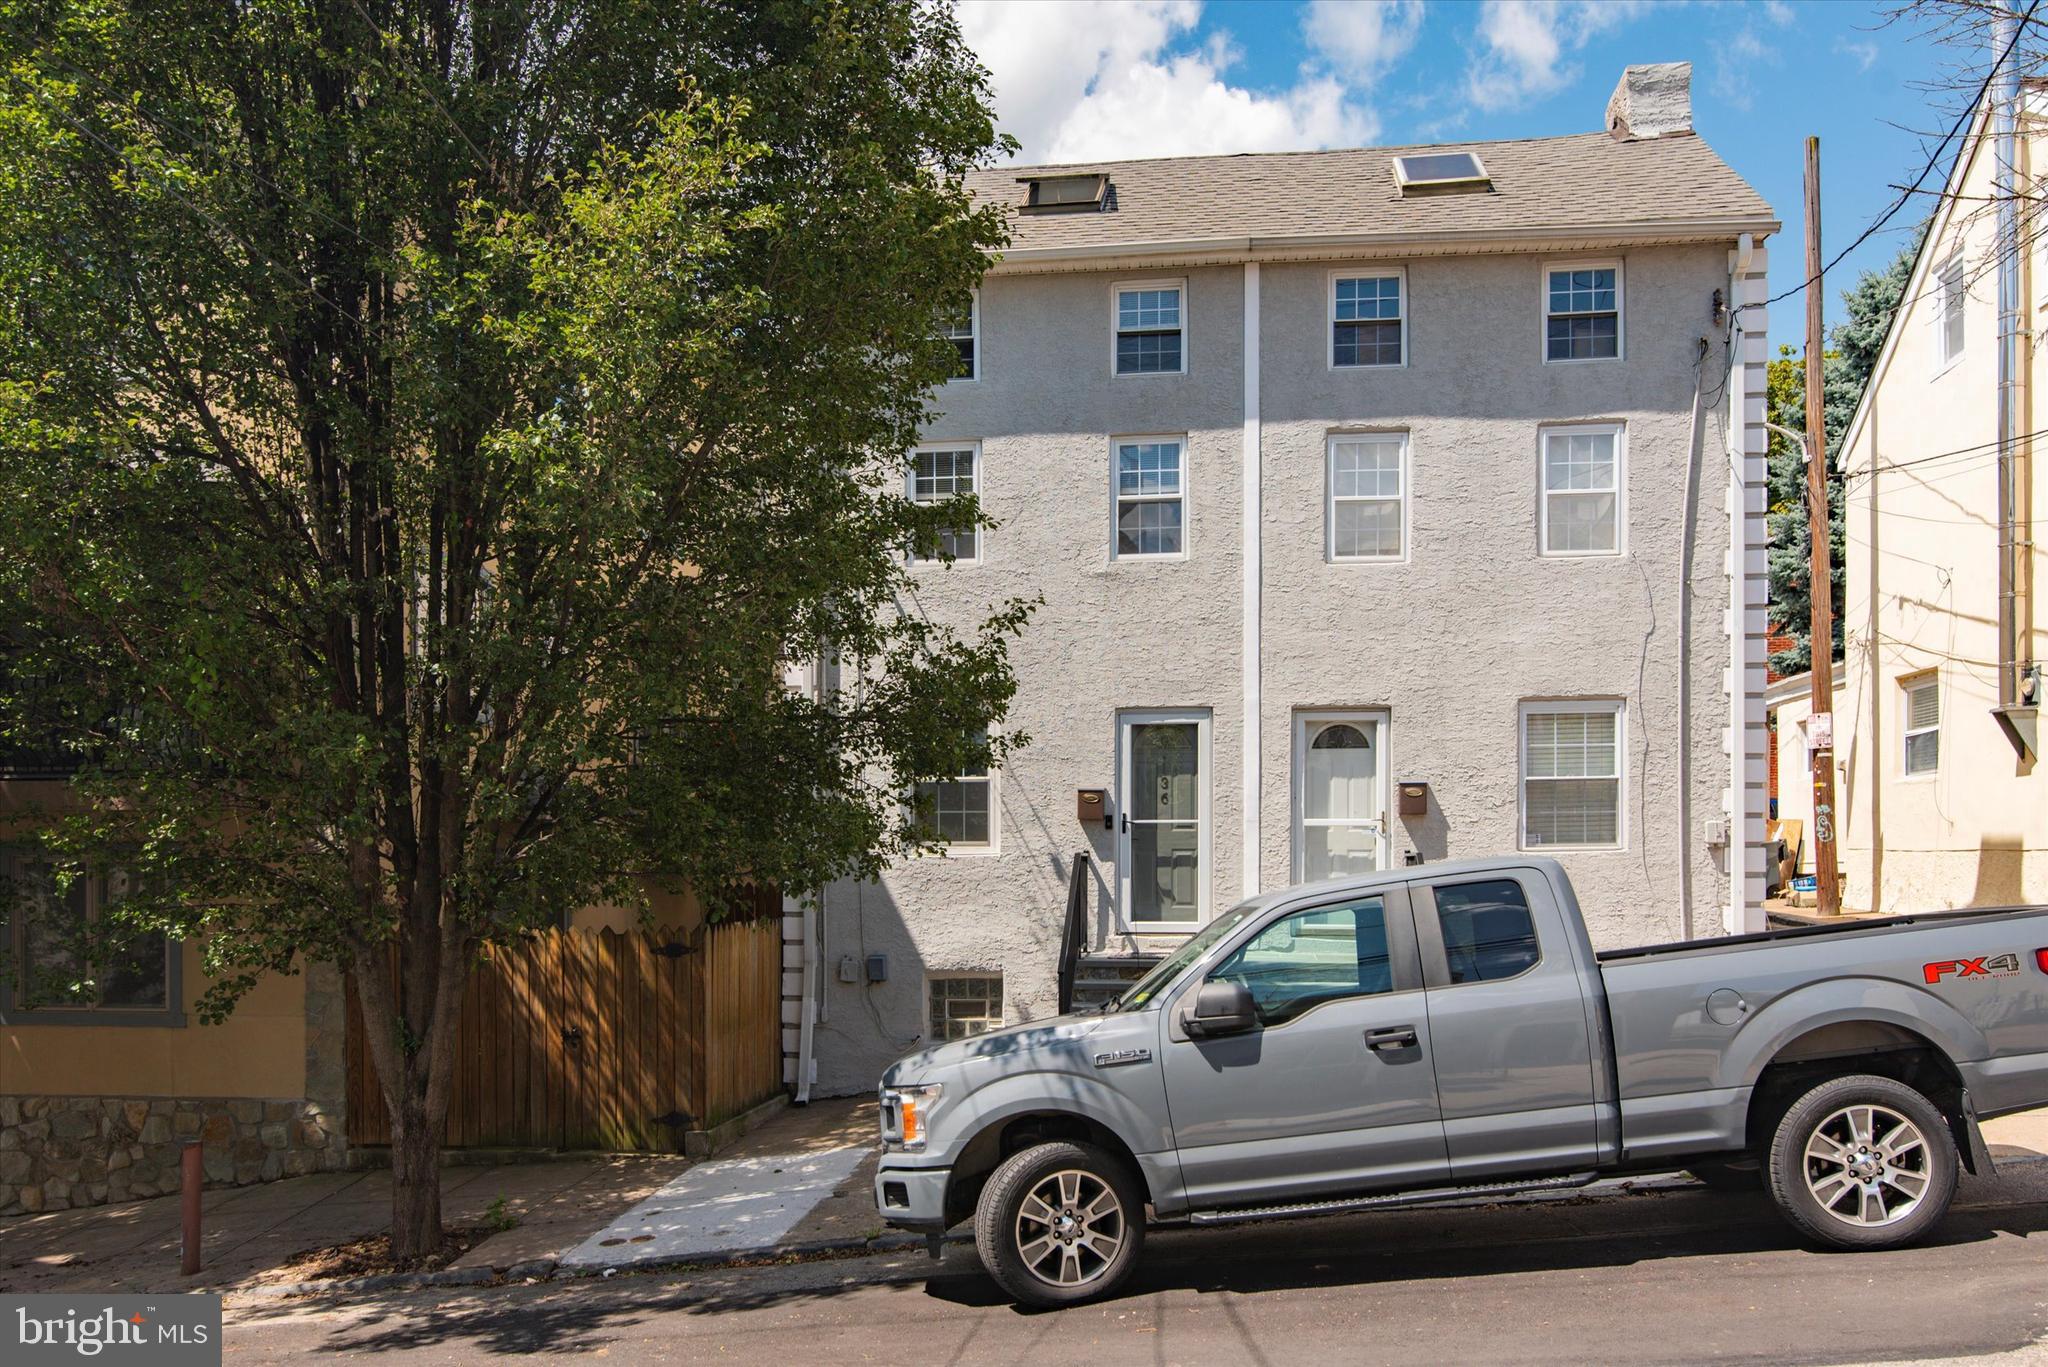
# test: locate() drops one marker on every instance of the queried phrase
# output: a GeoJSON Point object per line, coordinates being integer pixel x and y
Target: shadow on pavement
{"type": "Point", "coordinates": [1358, 1251]}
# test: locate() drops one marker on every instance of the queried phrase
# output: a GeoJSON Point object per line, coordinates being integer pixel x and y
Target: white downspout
{"type": "Point", "coordinates": [807, 1022]}
{"type": "Point", "coordinates": [1253, 512]}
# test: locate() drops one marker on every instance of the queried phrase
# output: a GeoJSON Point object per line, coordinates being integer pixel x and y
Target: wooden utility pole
{"type": "Point", "coordinates": [1821, 626]}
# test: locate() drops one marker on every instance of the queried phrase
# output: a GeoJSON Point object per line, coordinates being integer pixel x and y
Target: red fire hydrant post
{"type": "Point", "coordinates": [192, 1176]}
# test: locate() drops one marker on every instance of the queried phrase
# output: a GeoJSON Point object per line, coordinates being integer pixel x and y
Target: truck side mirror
{"type": "Point", "coordinates": [1222, 1007]}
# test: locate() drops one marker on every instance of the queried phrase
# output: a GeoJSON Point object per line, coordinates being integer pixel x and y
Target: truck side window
{"type": "Point", "coordinates": [1488, 932]}
{"type": "Point", "coordinates": [1314, 957]}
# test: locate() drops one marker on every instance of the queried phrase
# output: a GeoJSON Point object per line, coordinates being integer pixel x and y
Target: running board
{"type": "Point", "coordinates": [1390, 1201]}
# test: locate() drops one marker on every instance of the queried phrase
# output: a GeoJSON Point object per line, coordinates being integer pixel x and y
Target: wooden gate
{"type": "Point", "coordinates": [603, 1040]}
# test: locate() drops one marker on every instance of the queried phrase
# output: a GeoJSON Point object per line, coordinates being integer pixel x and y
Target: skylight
{"type": "Point", "coordinates": [1439, 168]}
{"type": "Point", "coordinates": [1064, 192]}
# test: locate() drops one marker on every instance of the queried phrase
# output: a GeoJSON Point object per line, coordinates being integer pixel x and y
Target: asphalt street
{"type": "Point", "coordinates": [1684, 1276]}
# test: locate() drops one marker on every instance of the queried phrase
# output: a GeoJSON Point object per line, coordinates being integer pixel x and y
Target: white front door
{"type": "Point", "coordinates": [1163, 819]}
{"type": "Point", "coordinates": [1340, 795]}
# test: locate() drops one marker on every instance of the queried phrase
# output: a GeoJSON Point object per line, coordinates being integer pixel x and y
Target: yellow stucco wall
{"type": "Point", "coordinates": [260, 1051]}
{"type": "Point", "coordinates": [1921, 521]}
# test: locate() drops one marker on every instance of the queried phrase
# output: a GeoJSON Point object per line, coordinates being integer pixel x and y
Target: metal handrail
{"type": "Point", "coordinates": [1075, 934]}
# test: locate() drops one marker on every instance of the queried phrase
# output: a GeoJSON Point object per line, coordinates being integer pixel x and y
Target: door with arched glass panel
{"type": "Point", "coordinates": [1340, 795]}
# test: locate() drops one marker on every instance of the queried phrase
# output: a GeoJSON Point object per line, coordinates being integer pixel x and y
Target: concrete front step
{"type": "Point", "coordinates": [1103, 977]}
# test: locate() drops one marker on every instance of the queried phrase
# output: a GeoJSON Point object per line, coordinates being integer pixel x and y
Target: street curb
{"type": "Point", "coordinates": [730, 1257]}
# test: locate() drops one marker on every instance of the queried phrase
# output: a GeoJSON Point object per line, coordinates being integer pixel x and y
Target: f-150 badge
{"type": "Point", "coordinates": [1117, 1058]}
{"type": "Point", "coordinates": [1990, 966]}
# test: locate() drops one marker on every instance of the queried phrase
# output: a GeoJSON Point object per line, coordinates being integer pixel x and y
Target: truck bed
{"type": "Point", "coordinates": [1696, 1025]}
{"type": "Point", "coordinates": [1842, 927]}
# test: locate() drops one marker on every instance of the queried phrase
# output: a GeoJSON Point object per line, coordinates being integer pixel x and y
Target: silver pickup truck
{"type": "Point", "coordinates": [1446, 1032]}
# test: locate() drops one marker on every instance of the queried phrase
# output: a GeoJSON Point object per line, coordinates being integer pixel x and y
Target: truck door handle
{"type": "Point", "coordinates": [1393, 1037]}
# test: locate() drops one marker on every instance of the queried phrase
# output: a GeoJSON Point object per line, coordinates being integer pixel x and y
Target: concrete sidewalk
{"type": "Point", "coordinates": [251, 1236]}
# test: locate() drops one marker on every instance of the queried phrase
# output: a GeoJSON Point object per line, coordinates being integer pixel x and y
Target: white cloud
{"type": "Point", "coordinates": [1092, 81]}
{"type": "Point", "coordinates": [1778, 12]}
{"type": "Point", "coordinates": [1525, 46]}
{"type": "Point", "coordinates": [1735, 67]}
{"type": "Point", "coordinates": [1862, 51]}
{"type": "Point", "coordinates": [1362, 38]}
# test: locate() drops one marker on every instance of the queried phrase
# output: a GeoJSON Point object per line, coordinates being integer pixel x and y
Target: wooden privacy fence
{"type": "Point", "coordinates": [603, 1040]}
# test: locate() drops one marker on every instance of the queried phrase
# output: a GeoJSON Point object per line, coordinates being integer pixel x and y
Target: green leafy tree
{"type": "Point", "coordinates": [1854, 344]}
{"type": "Point", "coordinates": [430, 429]}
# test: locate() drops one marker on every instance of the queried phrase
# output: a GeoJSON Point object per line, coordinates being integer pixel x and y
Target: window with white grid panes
{"type": "Point", "coordinates": [1367, 323]}
{"type": "Point", "coordinates": [1582, 312]}
{"type": "Point", "coordinates": [1151, 497]}
{"type": "Point", "coordinates": [965, 1004]}
{"type": "Point", "coordinates": [1368, 496]}
{"type": "Point", "coordinates": [941, 473]}
{"type": "Point", "coordinates": [963, 329]}
{"type": "Point", "coordinates": [1571, 775]}
{"type": "Point", "coordinates": [1150, 330]}
{"type": "Point", "coordinates": [1952, 291]}
{"type": "Point", "coordinates": [958, 812]}
{"type": "Point", "coordinates": [1581, 490]}
{"type": "Point", "coordinates": [1922, 729]}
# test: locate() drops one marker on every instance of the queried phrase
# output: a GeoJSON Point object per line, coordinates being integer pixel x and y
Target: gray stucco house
{"type": "Point", "coordinates": [1389, 505]}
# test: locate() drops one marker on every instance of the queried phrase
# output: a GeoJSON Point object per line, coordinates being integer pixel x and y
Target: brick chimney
{"type": "Point", "coordinates": [1653, 101]}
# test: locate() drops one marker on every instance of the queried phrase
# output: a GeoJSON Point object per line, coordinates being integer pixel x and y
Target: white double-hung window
{"type": "Point", "coordinates": [1368, 318]}
{"type": "Point", "coordinates": [1150, 475]}
{"type": "Point", "coordinates": [963, 330]}
{"type": "Point", "coordinates": [1952, 292]}
{"type": "Point", "coordinates": [1368, 513]}
{"type": "Point", "coordinates": [1922, 708]}
{"type": "Point", "coordinates": [1151, 324]}
{"type": "Point", "coordinates": [1582, 480]}
{"type": "Point", "coordinates": [958, 812]}
{"type": "Point", "coordinates": [1571, 775]}
{"type": "Point", "coordinates": [940, 473]}
{"type": "Point", "coordinates": [1582, 311]}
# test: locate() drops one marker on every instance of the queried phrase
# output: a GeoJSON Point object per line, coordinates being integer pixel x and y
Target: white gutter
{"type": "Point", "coordinates": [1278, 245]}
{"type": "Point", "coordinates": [1253, 582]}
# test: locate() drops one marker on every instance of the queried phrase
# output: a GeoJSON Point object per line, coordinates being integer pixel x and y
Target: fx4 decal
{"type": "Point", "coordinates": [1990, 966]}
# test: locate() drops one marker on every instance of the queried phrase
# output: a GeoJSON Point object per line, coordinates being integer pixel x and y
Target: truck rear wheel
{"type": "Point", "coordinates": [1862, 1162]}
{"type": "Point", "coordinates": [1059, 1223]}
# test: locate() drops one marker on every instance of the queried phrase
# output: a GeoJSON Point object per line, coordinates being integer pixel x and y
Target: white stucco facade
{"type": "Point", "coordinates": [1257, 635]}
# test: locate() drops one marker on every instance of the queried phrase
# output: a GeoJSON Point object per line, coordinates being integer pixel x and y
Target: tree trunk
{"type": "Point", "coordinates": [415, 1184]}
{"type": "Point", "coordinates": [416, 1087]}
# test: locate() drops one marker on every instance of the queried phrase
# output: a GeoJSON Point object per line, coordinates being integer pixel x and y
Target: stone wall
{"type": "Point", "coordinates": [57, 1152]}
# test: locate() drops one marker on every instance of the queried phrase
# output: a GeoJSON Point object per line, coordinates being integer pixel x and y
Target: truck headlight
{"type": "Point", "coordinates": [906, 1115]}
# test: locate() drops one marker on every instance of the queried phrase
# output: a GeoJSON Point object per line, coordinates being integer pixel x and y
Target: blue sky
{"type": "Point", "coordinates": [1089, 79]}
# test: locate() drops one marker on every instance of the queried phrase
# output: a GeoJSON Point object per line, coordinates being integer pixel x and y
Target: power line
{"type": "Point", "coordinates": [1979, 448]}
{"type": "Point", "coordinates": [1905, 196]}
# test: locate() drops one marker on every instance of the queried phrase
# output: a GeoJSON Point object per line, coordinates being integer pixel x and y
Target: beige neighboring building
{"type": "Point", "coordinates": [1943, 801]}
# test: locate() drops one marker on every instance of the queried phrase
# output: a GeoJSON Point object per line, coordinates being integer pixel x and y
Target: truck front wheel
{"type": "Point", "coordinates": [1059, 1223]}
{"type": "Point", "coordinates": [1862, 1162]}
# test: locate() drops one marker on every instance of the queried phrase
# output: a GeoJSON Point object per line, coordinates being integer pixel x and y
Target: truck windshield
{"type": "Point", "coordinates": [1169, 968]}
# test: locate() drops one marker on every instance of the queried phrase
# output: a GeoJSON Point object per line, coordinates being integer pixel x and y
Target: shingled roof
{"type": "Point", "coordinates": [1585, 184]}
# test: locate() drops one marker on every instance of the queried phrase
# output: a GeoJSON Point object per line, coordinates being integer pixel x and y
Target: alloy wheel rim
{"type": "Point", "coordinates": [1070, 1228]}
{"type": "Point", "coordinates": [1868, 1166]}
